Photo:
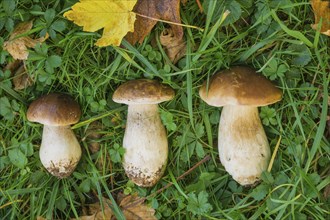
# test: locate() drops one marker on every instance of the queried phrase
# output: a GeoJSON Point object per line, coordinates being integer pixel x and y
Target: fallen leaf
{"type": "Point", "coordinates": [21, 78]}
{"type": "Point", "coordinates": [134, 208]}
{"type": "Point", "coordinates": [94, 211]}
{"type": "Point", "coordinates": [92, 135]}
{"type": "Point", "coordinates": [17, 45]}
{"type": "Point", "coordinates": [12, 66]}
{"type": "Point", "coordinates": [149, 13]}
{"type": "Point", "coordinates": [115, 17]}
{"type": "Point", "coordinates": [321, 10]}
{"type": "Point", "coordinates": [184, 2]}
{"type": "Point", "coordinates": [175, 48]}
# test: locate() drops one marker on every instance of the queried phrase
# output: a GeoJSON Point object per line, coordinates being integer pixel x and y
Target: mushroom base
{"type": "Point", "coordinates": [243, 146]}
{"type": "Point", "coordinates": [145, 142]}
{"type": "Point", "coordinates": [60, 151]}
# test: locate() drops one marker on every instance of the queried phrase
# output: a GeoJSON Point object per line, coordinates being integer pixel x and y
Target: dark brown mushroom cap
{"type": "Point", "coordinates": [142, 91]}
{"type": "Point", "coordinates": [54, 109]}
{"type": "Point", "coordinates": [239, 85]}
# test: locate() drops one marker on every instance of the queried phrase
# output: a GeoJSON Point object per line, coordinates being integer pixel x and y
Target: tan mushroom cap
{"type": "Point", "coordinates": [239, 85]}
{"type": "Point", "coordinates": [142, 91]}
{"type": "Point", "coordinates": [54, 109]}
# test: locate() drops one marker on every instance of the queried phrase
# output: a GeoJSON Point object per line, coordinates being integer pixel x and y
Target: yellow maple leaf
{"type": "Point", "coordinates": [115, 16]}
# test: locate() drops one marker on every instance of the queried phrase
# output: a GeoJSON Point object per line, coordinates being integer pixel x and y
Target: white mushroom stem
{"type": "Point", "coordinates": [60, 151]}
{"type": "Point", "coordinates": [146, 146]}
{"type": "Point", "coordinates": [243, 146]}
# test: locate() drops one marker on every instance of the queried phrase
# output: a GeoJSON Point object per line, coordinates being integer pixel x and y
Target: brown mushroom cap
{"type": "Point", "coordinates": [55, 110]}
{"type": "Point", "coordinates": [142, 91]}
{"type": "Point", "coordinates": [239, 85]}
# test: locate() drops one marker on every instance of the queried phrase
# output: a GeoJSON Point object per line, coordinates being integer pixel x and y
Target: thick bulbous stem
{"type": "Point", "coordinates": [243, 146]}
{"type": "Point", "coordinates": [60, 151]}
{"type": "Point", "coordinates": [145, 142]}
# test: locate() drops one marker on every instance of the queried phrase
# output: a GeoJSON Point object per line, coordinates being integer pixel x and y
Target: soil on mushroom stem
{"type": "Point", "coordinates": [68, 167]}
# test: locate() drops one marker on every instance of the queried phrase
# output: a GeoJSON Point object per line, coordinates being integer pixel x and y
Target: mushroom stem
{"type": "Point", "coordinates": [146, 146]}
{"type": "Point", "coordinates": [243, 146]}
{"type": "Point", "coordinates": [60, 151]}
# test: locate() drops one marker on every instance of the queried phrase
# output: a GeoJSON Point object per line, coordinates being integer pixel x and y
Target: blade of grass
{"type": "Point", "coordinates": [189, 87]}
{"type": "Point", "coordinates": [12, 93]}
{"type": "Point", "coordinates": [274, 154]}
{"type": "Point", "coordinates": [208, 129]}
{"type": "Point", "coordinates": [142, 58]}
{"type": "Point", "coordinates": [175, 183]}
{"type": "Point", "coordinates": [52, 199]}
{"type": "Point", "coordinates": [16, 192]}
{"type": "Point", "coordinates": [88, 121]}
{"type": "Point", "coordinates": [323, 184]}
{"type": "Point", "coordinates": [97, 180]}
{"type": "Point", "coordinates": [246, 54]}
{"type": "Point", "coordinates": [209, 35]}
{"type": "Point", "coordinates": [296, 113]}
{"type": "Point", "coordinates": [260, 211]}
{"type": "Point", "coordinates": [296, 34]}
{"type": "Point", "coordinates": [323, 117]}
{"type": "Point", "coordinates": [71, 201]}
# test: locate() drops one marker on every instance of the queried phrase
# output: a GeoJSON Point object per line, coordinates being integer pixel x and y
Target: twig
{"type": "Point", "coordinates": [169, 22]}
{"type": "Point", "coordinates": [200, 6]}
{"type": "Point", "coordinates": [208, 157]}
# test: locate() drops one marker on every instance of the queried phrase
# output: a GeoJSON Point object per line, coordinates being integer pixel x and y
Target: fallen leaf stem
{"type": "Point", "coordinates": [206, 158]}
{"type": "Point", "coordinates": [170, 22]}
{"type": "Point", "coordinates": [200, 6]}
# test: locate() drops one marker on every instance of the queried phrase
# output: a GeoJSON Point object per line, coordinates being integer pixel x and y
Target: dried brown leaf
{"type": "Point", "coordinates": [17, 45]}
{"type": "Point", "coordinates": [321, 10]}
{"type": "Point", "coordinates": [89, 217]}
{"type": "Point", "coordinates": [184, 2]}
{"type": "Point", "coordinates": [134, 208]}
{"type": "Point", "coordinates": [93, 133]}
{"type": "Point", "coordinates": [175, 48]}
{"type": "Point", "coordinates": [95, 211]}
{"type": "Point", "coordinates": [12, 66]}
{"type": "Point", "coordinates": [22, 79]}
{"type": "Point", "coordinates": [149, 12]}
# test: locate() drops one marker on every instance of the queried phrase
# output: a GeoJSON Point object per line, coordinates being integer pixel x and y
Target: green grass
{"type": "Point", "coordinates": [275, 37]}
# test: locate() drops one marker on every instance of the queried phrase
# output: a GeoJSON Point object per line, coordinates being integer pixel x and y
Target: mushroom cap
{"type": "Point", "coordinates": [54, 109]}
{"type": "Point", "coordinates": [142, 91]}
{"type": "Point", "coordinates": [239, 85]}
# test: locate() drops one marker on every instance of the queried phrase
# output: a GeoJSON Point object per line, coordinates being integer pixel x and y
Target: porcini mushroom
{"type": "Point", "coordinates": [145, 139]}
{"type": "Point", "coordinates": [243, 146]}
{"type": "Point", "coordinates": [60, 151]}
